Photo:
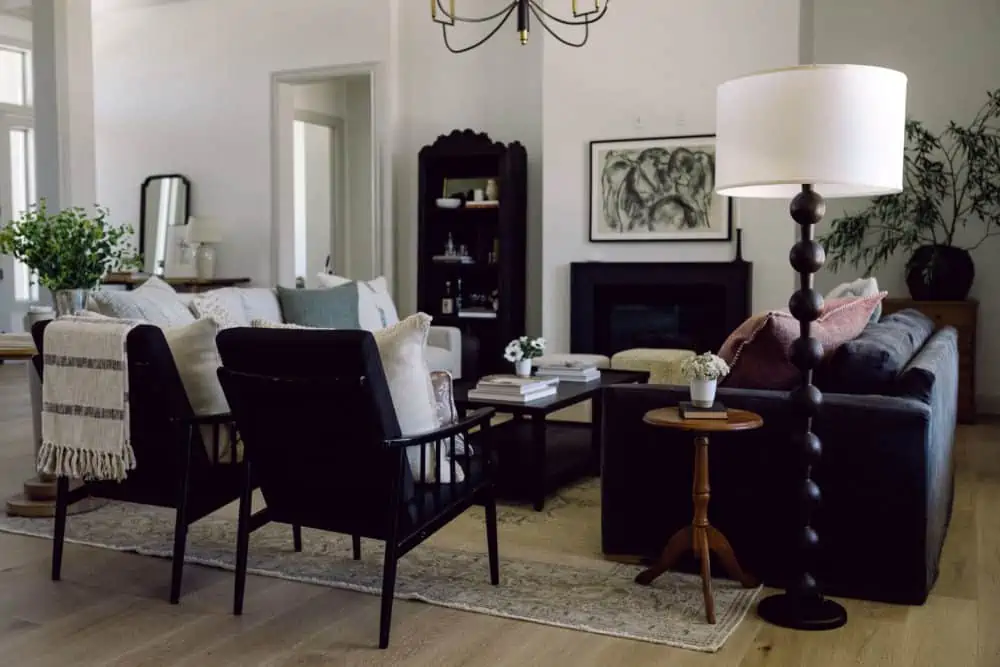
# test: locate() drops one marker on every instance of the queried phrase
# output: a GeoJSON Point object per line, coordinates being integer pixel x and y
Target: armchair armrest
{"type": "Point", "coordinates": [479, 417]}
{"type": "Point", "coordinates": [449, 341]}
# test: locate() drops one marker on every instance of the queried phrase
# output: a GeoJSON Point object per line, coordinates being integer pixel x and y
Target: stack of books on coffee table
{"type": "Point", "coordinates": [513, 389]}
{"type": "Point", "coordinates": [569, 371]}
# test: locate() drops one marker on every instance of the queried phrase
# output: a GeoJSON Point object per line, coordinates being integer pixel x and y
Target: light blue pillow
{"type": "Point", "coordinates": [859, 288]}
{"type": "Point", "coordinates": [333, 308]}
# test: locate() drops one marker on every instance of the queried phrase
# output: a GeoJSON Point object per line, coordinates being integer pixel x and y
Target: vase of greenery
{"type": "Point", "coordinates": [950, 204]}
{"type": "Point", "coordinates": [71, 250]}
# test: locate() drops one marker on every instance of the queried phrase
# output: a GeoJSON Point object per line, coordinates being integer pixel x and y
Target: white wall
{"type": "Point", "coordinates": [185, 87]}
{"type": "Point", "coordinates": [951, 53]}
{"type": "Point", "coordinates": [651, 69]}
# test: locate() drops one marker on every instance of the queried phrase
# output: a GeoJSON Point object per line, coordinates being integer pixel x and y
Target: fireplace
{"type": "Point", "coordinates": [616, 306]}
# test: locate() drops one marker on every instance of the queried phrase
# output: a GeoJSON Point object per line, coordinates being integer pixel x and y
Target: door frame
{"type": "Point", "coordinates": [341, 200]}
{"type": "Point", "coordinates": [282, 192]}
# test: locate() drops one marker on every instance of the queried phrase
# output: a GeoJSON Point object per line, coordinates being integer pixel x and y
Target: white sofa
{"type": "Point", "coordinates": [157, 303]}
{"type": "Point", "coordinates": [444, 344]}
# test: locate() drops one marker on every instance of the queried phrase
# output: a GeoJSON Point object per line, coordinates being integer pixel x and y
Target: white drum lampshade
{"type": "Point", "coordinates": [840, 128]}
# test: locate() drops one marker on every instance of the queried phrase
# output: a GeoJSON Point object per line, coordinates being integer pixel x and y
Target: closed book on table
{"type": "Point", "coordinates": [692, 411]}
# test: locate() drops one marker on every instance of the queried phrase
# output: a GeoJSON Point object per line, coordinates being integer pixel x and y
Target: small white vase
{"type": "Point", "coordinates": [703, 392]}
{"type": "Point", "coordinates": [522, 368]}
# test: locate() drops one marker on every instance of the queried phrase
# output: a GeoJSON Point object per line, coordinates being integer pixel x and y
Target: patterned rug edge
{"type": "Point", "coordinates": [740, 610]}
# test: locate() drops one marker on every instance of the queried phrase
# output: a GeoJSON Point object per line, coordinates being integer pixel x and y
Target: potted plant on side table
{"type": "Point", "coordinates": [71, 250]}
{"type": "Point", "coordinates": [950, 204]}
{"type": "Point", "coordinates": [703, 372]}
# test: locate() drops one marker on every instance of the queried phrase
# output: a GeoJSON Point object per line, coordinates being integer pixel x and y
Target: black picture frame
{"type": "Point", "coordinates": [708, 215]}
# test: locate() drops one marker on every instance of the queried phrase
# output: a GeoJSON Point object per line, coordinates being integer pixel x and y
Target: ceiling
{"type": "Point", "coordinates": [22, 8]}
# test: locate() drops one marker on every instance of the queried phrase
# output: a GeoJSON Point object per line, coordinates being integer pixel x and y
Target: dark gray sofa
{"type": "Point", "coordinates": [886, 478]}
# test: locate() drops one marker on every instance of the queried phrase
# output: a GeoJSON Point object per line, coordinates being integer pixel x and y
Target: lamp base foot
{"type": "Point", "coordinates": [787, 611]}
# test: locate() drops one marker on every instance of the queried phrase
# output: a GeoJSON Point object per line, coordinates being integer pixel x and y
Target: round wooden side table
{"type": "Point", "coordinates": [701, 537]}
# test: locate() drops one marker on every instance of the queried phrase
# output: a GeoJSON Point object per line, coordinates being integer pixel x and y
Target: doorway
{"type": "Point", "coordinates": [327, 212]}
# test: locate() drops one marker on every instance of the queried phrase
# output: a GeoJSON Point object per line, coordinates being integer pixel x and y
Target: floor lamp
{"type": "Point", "coordinates": [805, 133]}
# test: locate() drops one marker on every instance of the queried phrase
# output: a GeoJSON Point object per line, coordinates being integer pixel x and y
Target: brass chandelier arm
{"type": "Point", "coordinates": [468, 19]}
{"type": "Point", "coordinates": [506, 16]}
{"type": "Point", "coordinates": [583, 18]}
{"type": "Point", "coordinates": [544, 17]}
{"type": "Point", "coordinates": [541, 15]}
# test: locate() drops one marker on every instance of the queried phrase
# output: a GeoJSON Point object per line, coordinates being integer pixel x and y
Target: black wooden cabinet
{"type": "Point", "coordinates": [471, 258]}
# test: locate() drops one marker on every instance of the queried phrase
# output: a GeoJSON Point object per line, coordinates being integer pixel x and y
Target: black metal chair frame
{"type": "Point", "coordinates": [196, 484]}
{"type": "Point", "coordinates": [448, 500]}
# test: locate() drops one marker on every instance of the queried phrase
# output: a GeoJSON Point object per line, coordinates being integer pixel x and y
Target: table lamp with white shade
{"type": "Point", "coordinates": [805, 133]}
{"type": "Point", "coordinates": [202, 232]}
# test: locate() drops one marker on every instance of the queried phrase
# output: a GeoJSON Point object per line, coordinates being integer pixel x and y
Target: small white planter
{"type": "Point", "coordinates": [522, 368]}
{"type": "Point", "coordinates": [703, 392]}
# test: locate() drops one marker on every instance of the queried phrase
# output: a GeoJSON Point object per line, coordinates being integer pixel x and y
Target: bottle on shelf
{"type": "Point", "coordinates": [449, 246]}
{"type": "Point", "coordinates": [448, 300]}
{"type": "Point", "coordinates": [458, 297]}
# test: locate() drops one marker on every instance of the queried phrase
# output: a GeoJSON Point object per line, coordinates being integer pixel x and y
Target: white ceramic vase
{"type": "Point", "coordinates": [522, 368]}
{"type": "Point", "coordinates": [703, 392]}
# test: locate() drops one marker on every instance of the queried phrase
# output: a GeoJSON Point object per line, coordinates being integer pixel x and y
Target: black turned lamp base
{"type": "Point", "coordinates": [788, 611]}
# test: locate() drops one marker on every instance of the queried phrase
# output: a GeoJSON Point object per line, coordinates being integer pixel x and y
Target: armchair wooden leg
{"type": "Point", "coordinates": [181, 522]}
{"type": "Point", "coordinates": [59, 535]}
{"type": "Point", "coordinates": [388, 591]}
{"type": "Point", "coordinates": [297, 537]}
{"type": "Point", "coordinates": [242, 542]}
{"type": "Point", "coordinates": [356, 543]}
{"type": "Point", "coordinates": [491, 535]}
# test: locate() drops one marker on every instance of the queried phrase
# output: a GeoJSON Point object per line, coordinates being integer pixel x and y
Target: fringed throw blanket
{"type": "Point", "coordinates": [85, 416]}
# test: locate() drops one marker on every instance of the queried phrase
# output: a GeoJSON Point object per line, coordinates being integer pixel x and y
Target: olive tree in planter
{"type": "Point", "coordinates": [951, 182]}
{"type": "Point", "coordinates": [71, 251]}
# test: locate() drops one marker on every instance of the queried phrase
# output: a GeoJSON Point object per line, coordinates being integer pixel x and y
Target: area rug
{"type": "Point", "coordinates": [550, 567]}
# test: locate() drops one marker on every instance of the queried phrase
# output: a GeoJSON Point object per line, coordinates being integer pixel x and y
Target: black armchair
{"type": "Point", "coordinates": [173, 467]}
{"type": "Point", "coordinates": [321, 438]}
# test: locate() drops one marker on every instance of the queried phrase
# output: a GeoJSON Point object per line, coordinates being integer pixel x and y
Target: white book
{"type": "Point", "coordinates": [511, 384]}
{"type": "Point", "coordinates": [483, 395]}
{"type": "Point", "coordinates": [581, 378]}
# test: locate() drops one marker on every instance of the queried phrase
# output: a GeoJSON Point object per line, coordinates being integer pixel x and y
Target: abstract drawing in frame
{"type": "Point", "coordinates": [660, 189]}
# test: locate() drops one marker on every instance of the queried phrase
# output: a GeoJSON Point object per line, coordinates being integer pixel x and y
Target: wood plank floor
{"type": "Point", "coordinates": [111, 610]}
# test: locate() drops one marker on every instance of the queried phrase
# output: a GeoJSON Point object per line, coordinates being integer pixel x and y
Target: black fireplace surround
{"type": "Point", "coordinates": [616, 306]}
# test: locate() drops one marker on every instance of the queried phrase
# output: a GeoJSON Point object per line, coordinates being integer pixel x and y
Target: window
{"type": "Point", "coordinates": [15, 76]}
{"type": "Point", "coordinates": [22, 178]}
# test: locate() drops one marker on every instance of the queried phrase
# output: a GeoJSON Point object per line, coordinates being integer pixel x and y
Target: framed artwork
{"type": "Point", "coordinates": [659, 189]}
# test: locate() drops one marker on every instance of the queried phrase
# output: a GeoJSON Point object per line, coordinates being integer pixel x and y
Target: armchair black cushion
{"type": "Point", "coordinates": [321, 436]}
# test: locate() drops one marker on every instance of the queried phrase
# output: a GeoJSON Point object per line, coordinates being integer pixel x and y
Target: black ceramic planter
{"type": "Point", "coordinates": [940, 273]}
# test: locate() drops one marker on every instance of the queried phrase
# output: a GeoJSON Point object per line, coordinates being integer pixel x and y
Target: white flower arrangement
{"type": "Point", "coordinates": [705, 366]}
{"type": "Point", "coordinates": [523, 348]}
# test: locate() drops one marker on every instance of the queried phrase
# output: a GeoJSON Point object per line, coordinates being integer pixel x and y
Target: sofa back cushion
{"type": "Point", "coordinates": [870, 363]}
{"type": "Point", "coordinates": [154, 301]}
{"type": "Point", "coordinates": [759, 351]}
{"type": "Point", "coordinates": [224, 305]}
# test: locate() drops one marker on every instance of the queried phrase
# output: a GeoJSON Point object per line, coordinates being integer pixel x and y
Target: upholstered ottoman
{"type": "Point", "coordinates": [664, 365]}
{"type": "Point", "coordinates": [579, 412]}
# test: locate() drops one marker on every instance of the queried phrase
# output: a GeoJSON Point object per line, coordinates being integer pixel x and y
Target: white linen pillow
{"type": "Point", "coordinates": [198, 361]}
{"type": "Point", "coordinates": [154, 302]}
{"type": "Point", "coordinates": [402, 349]}
{"type": "Point", "coordinates": [261, 303]}
{"type": "Point", "coordinates": [859, 288]}
{"type": "Point", "coordinates": [376, 309]}
{"type": "Point", "coordinates": [225, 306]}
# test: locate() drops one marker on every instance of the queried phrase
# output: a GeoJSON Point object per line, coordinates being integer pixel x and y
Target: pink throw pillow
{"type": "Point", "coordinates": [759, 351]}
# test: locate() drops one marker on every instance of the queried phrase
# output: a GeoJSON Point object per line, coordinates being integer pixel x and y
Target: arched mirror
{"type": "Point", "coordinates": [164, 210]}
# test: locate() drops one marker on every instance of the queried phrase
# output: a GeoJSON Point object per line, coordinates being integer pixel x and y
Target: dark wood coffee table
{"type": "Point", "coordinates": [537, 456]}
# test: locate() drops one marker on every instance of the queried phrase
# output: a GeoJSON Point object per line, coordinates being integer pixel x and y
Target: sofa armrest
{"type": "Point", "coordinates": [448, 339]}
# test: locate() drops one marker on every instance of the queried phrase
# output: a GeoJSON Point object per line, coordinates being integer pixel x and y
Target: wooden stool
{"type": "Point", "coordinates": [701, 537]}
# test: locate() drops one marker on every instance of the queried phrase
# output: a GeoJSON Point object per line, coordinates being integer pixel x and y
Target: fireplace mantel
{"type": "Point", "coordinates": [715, 295]}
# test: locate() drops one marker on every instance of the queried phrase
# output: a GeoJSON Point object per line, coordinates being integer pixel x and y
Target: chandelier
{"type": "Point", "coordinates": [524, 10]}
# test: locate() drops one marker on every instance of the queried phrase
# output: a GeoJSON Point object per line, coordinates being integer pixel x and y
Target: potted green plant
{"type": "Point", "coordinates": [71, 250]}
{"type": "Point", "coordinates": [950, 204]}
